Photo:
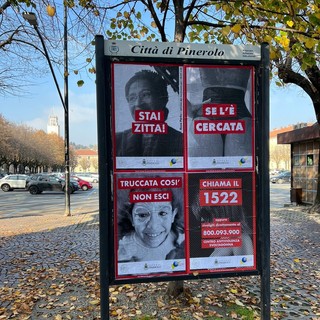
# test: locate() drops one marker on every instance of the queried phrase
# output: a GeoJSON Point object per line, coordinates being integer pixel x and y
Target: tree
{"type": "Point", "coordinates": [291, 28]}
{"type": "Point", "coordinates": [22, 57]}
{"type": "Point", "coordinates": [25, 148]}
{"type": "Point", "coordinates": [280, 153]}
{"type": "Point", "coordinates": [84, 163]}
{"type": "Point", "coordinates": [94, 164]}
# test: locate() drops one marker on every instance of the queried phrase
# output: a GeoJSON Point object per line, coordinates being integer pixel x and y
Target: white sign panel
{"type": "Point", "coordinates": [181, 50]}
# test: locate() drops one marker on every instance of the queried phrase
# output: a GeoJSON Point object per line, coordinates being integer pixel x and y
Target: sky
{"type": "Point", "coordinates": [289, 105]}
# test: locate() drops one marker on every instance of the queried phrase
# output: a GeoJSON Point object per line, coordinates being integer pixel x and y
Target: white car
{"type": "Point", "coordinates": [90, 177]}
{"type": "Point", "coordinates": [13, 181]}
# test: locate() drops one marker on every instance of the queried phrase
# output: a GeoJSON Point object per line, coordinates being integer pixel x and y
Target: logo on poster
{"type": "Point", "coordinates": [173, 161]}
{"type": "Point", "coordinates": [218, 262]}
{"type": "Point", "coordinates": [219, 161]}
{"type": "Point", "coordinates": [242, 161]}
{"type": "Point", "coordinates": [175, 264]}
{"type": "Point", "coordinates": [123, 268]}
{"type": "Point", "coordinates": [245, 260]}
{"type": "Point", "coordinates": [152, 266]}
{"type": "Point", "coordinates": [148, 162]}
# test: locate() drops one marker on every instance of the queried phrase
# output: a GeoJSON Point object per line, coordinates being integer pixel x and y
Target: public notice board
{"type": "Point", "coordinates": [183, 157]}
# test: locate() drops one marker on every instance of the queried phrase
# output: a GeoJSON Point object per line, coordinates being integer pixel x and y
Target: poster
{"type": "Point", "coordinates": [148, 118]}
{"type": "Point", "coordinates": [184, 180]}
{"type": "Point", "coordinates": [219, 127]}
{"type": "Point", "coordinates": [149, 224]}
{"type": "Point", "coordinates": [221, 221]}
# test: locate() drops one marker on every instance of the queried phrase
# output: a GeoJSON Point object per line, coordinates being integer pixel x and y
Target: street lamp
{"type": "Point", "coordinates": [32, 19]}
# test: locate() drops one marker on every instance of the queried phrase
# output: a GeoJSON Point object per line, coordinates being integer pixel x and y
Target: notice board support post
{"type": "Point", "coordinates": [104, 171]}
{"type": "Point", "coordinates": [265, 186]}
{"type": "Point", "coordinates": [177, 169]}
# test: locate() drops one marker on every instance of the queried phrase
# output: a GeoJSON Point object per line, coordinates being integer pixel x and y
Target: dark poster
{"type": "Point", "coordinates": [220, 117]}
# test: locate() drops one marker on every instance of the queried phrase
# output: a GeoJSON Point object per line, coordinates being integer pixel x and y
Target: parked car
{"type": "Point", "coordinates": [91, 177]}
{"type": "Point", "coordinates": [83, 184]}
{"type": "Point", "coordinates": [39, 183]}
{"type": "Point", "coordinates": [282, 177]}
{"type": "Point", "coordinates": [35, 176]}
{"type": "Point", "coordinates": [2, 175]}
{"type": "Point", "coordinates": [13, 181]}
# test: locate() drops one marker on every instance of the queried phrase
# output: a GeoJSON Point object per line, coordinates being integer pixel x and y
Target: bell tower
{"type": "Point", "coordinates": [53, 125]}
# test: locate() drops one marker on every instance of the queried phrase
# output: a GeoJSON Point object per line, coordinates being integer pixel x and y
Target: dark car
{"type": "Point", "coordinates": [282, 177]}
{"type": "Point", "coordinates": [39, 183]}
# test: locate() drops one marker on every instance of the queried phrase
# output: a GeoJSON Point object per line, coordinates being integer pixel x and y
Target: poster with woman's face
{"type": "Point", "coordinates": [220, 112]}
{"type": "Point", "coordinates": [147, 116]}
{"type": "Point", "coordinates": [221, 221]}
{"type": "Point", "coordinates": [149, 224]}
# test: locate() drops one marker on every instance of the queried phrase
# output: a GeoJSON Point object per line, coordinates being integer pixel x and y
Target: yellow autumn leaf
{"type": "Point", "coordinates": [95, 302]}
{"type": "Point", "coordinates": [153, 24]}
{"type": "Point", "coordinates": [51, 10]}
{"type": "Point", "coordinates": [273, 55]}
{"type": "Point", "coordinates": [310, 43]}
{"type": "Point", "coordinates": [290, 23]}
{"type": "Point", "coordinates": [268, 38]}
{"type": "Point", "coordinates": [297, 260]}
{"type": "Point", "coordinates": [233, 290]}
{"type": "Point", "coordinates": [236, 28]}
{"type": "Point", "coordinates": [284, 41]}
{"type": "Point", "coordinates": [225, 31]}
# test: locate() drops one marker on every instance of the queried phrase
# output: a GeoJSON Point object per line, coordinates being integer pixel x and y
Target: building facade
{"type": "Point", "coordinates": [86, 160]}
{"type": "Point", "coordinates": [304, 145]}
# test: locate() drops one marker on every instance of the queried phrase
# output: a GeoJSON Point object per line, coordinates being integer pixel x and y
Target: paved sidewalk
{"type": "Point", "coordinates": [49, 269]}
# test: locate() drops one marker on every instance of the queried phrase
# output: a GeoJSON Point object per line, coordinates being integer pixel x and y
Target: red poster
{"type": "Point", "coordinates": [149, 224]}
{"type": "Point", "coordinates": [222, 221]}
{"type": "Point", "coordinates": [183, 158]}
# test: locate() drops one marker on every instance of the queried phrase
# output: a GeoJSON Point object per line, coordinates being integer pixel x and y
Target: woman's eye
{"type": "Point", "coordinates": [143, 215]}
{"type": "Point", "coordinates": [163, 213]}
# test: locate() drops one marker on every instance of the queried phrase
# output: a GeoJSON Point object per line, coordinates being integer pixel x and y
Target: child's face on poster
{"type": "Point", "coordinates": [142, 97]}
{"type": "Point", "coordinates": [152, 222]}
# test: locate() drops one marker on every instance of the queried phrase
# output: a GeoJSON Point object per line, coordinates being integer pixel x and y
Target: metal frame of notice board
{"type": "Point", "coordinates": [112, 56]}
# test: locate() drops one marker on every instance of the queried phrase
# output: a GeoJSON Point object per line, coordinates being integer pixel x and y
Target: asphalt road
{"type": "Point", "coordinates": [279, 195]}
{"type": "Point", "coordinates": [19, 203]}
